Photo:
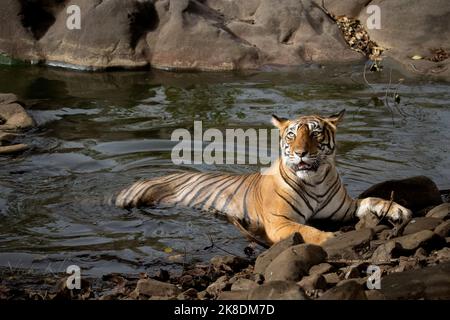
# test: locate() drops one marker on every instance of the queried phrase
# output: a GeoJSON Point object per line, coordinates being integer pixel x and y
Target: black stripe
{"type": "Point", "coordinates": [174, 191]}
{"type": "Point", "coordinates": [232, 194]}
{"type": "Point", "coordinates": [339, 208]}
{"type": "Point", "coordinates": [291, 205]}
{"type": "Point", "coordinates": [328, 199]}
{"type": "Point", "coordinates": [206, 177]}
{"type": "Point", "coordinates": [221, 190]}
{"type": "Point", "coordinates": [199, 191]}
{"type": "Point", "coordinates": [287, 179]}
{"type": "Point", "coordinates": [246, 218]}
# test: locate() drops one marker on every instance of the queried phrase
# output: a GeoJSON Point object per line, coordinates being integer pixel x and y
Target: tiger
{"type": "Point", "coordinates": [301, 185]}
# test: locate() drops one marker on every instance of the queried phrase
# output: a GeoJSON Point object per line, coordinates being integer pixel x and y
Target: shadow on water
{"type": "Point", "coordinates": [98, 132]}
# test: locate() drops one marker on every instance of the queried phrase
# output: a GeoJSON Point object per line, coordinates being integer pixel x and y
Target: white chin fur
{"type": "Point", "coordinates": [304, 174]}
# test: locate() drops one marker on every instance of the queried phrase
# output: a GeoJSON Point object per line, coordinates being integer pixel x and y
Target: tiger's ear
{"type": "Point", "coordinates": [336, 118]}
{"type": "Point", "coordinates": [280, 123]}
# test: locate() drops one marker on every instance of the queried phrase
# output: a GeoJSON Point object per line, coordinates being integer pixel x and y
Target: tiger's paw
{"type": "Point", "coordinates": [397, 214]}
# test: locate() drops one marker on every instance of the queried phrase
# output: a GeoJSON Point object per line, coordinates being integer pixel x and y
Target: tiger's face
{"type": "Point", "coordinates": [307, 142]}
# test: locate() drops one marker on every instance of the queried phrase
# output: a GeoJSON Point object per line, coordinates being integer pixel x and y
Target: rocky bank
{"type": "Point", "coordinates": [413, 262]}
{"type": "Point", "coordinates": [224, 34]}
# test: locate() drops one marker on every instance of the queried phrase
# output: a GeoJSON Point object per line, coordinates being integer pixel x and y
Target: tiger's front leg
{"type": "Point", "coordinates": [283, 228]}
{"type": "Point", "coordinates": [380, 207]}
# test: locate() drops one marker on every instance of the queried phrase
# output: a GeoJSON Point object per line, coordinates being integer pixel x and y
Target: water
{"type": "Point", "coordinates": [99, 132]}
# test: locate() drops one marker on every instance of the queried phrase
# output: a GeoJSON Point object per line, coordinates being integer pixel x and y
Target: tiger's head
{"type": "Point", "coordinates": [308, 142]}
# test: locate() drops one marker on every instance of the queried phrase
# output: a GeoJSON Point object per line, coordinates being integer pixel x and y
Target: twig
{"type": "Point", "coordinates": [247, 234]}
{"type": "Point", "coordinates": [384, 214]}
{"type": "Point", "coordinates": [214, 245]}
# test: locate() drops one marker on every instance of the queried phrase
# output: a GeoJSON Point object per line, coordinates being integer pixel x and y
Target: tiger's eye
{"type": "Point", "coordinates": [290, 135]}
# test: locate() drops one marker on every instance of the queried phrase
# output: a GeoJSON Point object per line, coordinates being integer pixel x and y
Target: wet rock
{"type": "Point", "coordinates": [277, 290]}
{"type": "Point", "coordinates": [313, 282]}
{"type": "Point", "coordinates": [229, 263]}
{"type": "Point", "coordinates": [265, 258]}
{"type": "Point", "coordinates": [293, 263]}
{"type": "Point", "coordinates": [7, 137]}
{"type": "Point", "coordinates": [233, 295]}
{"type": "Point", "coordinates": [243, 284]}
{"type": "Point", "coordinates": [422, 223]}
{"type": "Point", "coordinates": [345, 245]}
{"type": "Point", "coordinates": [13, 116]}
{"type": "Point", "coordinates": [351, 290]}
{"type": "Point", "coordinates": [443, 229]}
{"type": "Point", "coordinates": [189, 294]}
{"type": "Point", "coordinates": [320, 268]}
{"type": "Point", "coordinates": [151, 288]}
{"type": "Point", "coordinates": [441, 211]}
{"type": "Point", "coordinates": [413, 193]}
{"type": "Point", "coordinates": [427, 283]}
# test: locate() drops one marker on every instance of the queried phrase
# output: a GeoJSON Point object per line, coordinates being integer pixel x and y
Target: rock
{"type": "Point", "coordinates": [320, 268]}
{"type": "Point", "coordinates": [162, 275]}
{"type": "Point", "coordinates": [384, 253]}
{"type": "Point", "coordinates": [233, 295]}
{"type": "Point", "coordinates": [422, 223]}
{"type": "Point", "coordinates": [151, 288]}
{"type": "Point", "coordinates": [13, 148]}
{"type": "Point", "coordinates": [221, 284]}
{"type": "Point", "coordinates": [349, 291]}
{"type": "Point", "coordinates": [243, 284]}
{"type": "Point", "coordinates": [293, 263]}
{"type": "Point", "coordinates": [6, 137]}
{"type": "Point", "coordinates": [427, 283]}
{"type": "Point", "coordinates": [265, 258]}
{"type": "Point", "coordinates": [369, 221]}
{"type": "Point", "coordinates": [440, 256]}
{"type": "Point", "coordinates": [430, 24]}
{"type": "Point", "coordinates": [441, 211]}
{"type": "Point", "coordinates": [344, 245]}
{"type": "Point", "coordinates": [352, 272]}
{"type": "Point", "coordinates": [172, 34]}
{"type": "Point", "coordinates": [332, 278]}
{"type": "Point", "coordinates": [443, 229]}
{"type": "Point", "coordinates": [189, 294]}
{"type": "Point", "coordinates": [229, 263]}
{"type": "Point", "coordinates": [374, 295]}
{"type": "Point", "coordinates": [413, 193]}
{"type": "Point", "coordinates": [277, 290]}
{"type": "Point", "coordinates": [425, 238]}
{"type": "Point", "coordinates": [12, 115]}
{"type": "Point", "coordinates": [315, 281]}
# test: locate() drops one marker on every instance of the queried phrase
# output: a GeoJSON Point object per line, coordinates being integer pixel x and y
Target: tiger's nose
{"type": "Point", "coordinates": [301, 154]}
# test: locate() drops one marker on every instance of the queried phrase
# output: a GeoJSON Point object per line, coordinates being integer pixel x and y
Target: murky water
{"type": "Point", "coordinates": [99, 132]}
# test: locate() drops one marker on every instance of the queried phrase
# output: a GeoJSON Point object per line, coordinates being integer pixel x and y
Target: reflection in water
{"type": "Point", "coordinates": [99, 132]}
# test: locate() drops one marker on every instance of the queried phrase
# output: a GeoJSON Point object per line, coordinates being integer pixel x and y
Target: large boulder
{"type": "Point", "coordinates": [171, 34]}
{"type": "Point", "coordinates": [411, 29]}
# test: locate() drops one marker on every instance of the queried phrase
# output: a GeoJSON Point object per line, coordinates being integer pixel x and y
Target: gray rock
{"type": "Point", "coordinates": [294, 263]}
{"type": "Point", "coordinates": [374, 295]}
{"type": "Point", "coordinates": [422, 223]}
{"type": "Point", "coordinates": [413, 193]}
{"type": "Point", "coordinates": [265, 258]}
{"type": "Point", "coordinates": [440, 256]}
{"type": "Point", "coordinates": [320, 268]}
{"type": "Point", "coordinates": [428, 283]}
{"type": "Point", "coordinates": [315, 281]}
{"type": "Point", "coordinates": [344, 245]}
{"type": "Point", "coordinates": [229, 263]}
{"type": "Point", "coordinates": [277, 290]}
{"type": "Point", "coordinates": [443, 229]}
{"type": "Point", "coordinates": [350, 290]}
{"type": "Point", "coordinates": [441, 211]}
{"type": "Point", "coordinates": [150, 288]}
